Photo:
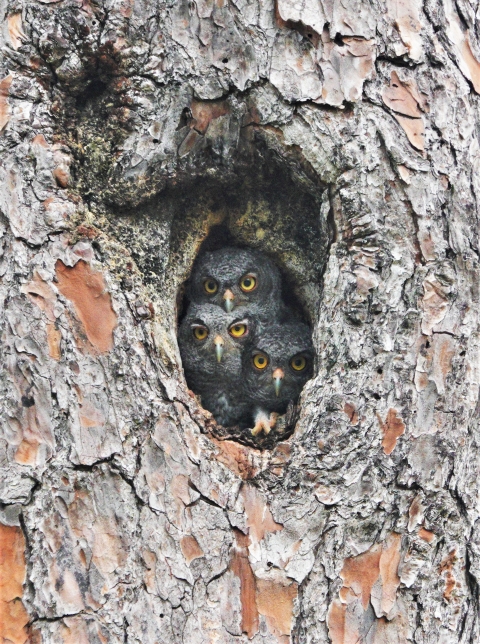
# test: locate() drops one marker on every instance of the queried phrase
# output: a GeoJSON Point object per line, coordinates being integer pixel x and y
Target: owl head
{"type": "Point", "coordinates": [235, 277]}
{"type": "Point", "coordinates": [277, 365]}
{"type": "Point", "coordinates": [211, 340]}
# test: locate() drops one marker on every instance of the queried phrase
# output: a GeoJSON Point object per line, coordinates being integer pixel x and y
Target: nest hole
{"type": "Point", "coordinates": [264, 204]}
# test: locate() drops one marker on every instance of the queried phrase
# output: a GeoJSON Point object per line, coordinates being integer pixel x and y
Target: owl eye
{"type": "Point", "coordinates": [238, 330]}
{"type": "Point", "coordinates": [210, 286]}
{"type": "Point", "coordinates": [200, 332]}
{"type": "Point", "coordinates": [260, 361]}
{"type": "Point", "coordinates": [248, 283]}
{"type": "Point", "coordinates": [298, 363]}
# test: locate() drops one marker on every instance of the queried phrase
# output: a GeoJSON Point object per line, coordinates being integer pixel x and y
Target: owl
{"type": "Point", "coordinates": [275, 368]}
{"type": "Point", "coordinates": [236, 277]}
{"type": "Point", "coordinates": [211, 342]}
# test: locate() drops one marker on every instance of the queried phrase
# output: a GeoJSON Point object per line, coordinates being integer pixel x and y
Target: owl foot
{"type": "Point", "coordinates": [264, 422]}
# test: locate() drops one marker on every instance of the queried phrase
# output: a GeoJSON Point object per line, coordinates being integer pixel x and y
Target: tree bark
{"type": "Point", "coordinates": [342, 140]}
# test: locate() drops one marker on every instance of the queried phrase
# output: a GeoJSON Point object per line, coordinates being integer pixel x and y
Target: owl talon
{"type": "Point", "coordinates": [258, 428]}
{"type": "Point", "coordinates": [264, 422]}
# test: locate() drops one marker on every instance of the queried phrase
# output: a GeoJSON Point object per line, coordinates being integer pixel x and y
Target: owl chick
{"type": "Point", "coordinates": [235, 277]}
{"type": "Point", "coordinates": [275, 368]}
{"type": "Point", "coordinates": [211, 343]}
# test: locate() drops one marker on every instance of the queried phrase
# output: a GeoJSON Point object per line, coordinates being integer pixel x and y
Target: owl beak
{"type": "Point", "coordinates": [218, 342]}
{"type": "Point", "coordinates": [228, 297]}
{"type": "Point", "coordinates": [278, 375]}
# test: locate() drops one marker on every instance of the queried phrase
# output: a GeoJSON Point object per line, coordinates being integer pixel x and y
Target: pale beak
{"type": "Point", "coordinates": [278, 375]}
{"type": "Point", "coordinates": [218, 342]}
{"type": "Point", "coordinates": [228, 297]}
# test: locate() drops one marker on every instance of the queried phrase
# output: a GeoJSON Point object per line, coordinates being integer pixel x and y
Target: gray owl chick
{"type": "Point", "coordinates": [235, 277]}
{"type": "Point", "coordinates": [275, 368]}
{"type": "Point", "coordinates": [211, 343]}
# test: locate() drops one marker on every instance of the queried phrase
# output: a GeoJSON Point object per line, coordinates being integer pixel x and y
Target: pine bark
{"type": "Point", "coordinates": [341, 138]}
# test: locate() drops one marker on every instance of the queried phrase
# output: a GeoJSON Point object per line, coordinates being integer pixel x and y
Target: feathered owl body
{"type": "Point", "coordinates": [211, 343]}
{"type": "Point", "coordinates": [244, 352]}
{"type": "Point", "coordinates": [236, 277]}
{"type": "Point", "coordinates": [276, 366]}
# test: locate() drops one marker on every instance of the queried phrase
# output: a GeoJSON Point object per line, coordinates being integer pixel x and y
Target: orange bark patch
{"type": "Point", "coordinates": [340, 632]}
{"type": "Point", "coordinates": [26, 452]}
{"type": "Point", "coordinates": [5, 109]}
{"type": "Point", "coordinates": [15, 32]}
{"type": "Point", "coordinates": [238, 458]}
{"type": "Point", "coordinates": [359, 574]}
{"type": "Point", "coordinates": [240, 566]}
{"type": "Point", "coordinates": [351, 412]}
{"type": "Point", "coordinates": [259, 517]}
{"type": "Point", "coordinates": [405, 173]}
{"type": "Point", "coordinates": [41, 141]}
{"type": "Point", "coordinates": [54, 338]}
{"type": "Point", "coordinates": [61, 176]}
{"type": "Point", "coordinates": [62, 161]}
{"type": "Point", "coordinates": [13, 616]}
{"type": "Point", "coordinates": [190, 548]}
{"type": "Point", "coordinates": [415, 513]}
{"type": "Point", "coordinates": [403, 97]}
{"type": "Point", "coordinates": [408, 104]}
{"type": "Point", "coordinates": [271, 595]}
{"type": "Point", "coordinates": [204, 113]}
{"type": "Point", "coordinates": [275, 596]}
{"type": "Point", "coordinates": [426, 535]}
{"type": "Point", "coordinates": [86, 290]}
{"type": "Point", "coordinates": [371, 577]}
{"type": "Point", "coordinates": [392, 429]}
{"type": "Point", "coordinates": [446, 567]}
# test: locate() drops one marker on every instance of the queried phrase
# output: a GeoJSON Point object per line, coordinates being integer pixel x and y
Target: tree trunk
{"type": "Point", "coordinates": [341, 139]}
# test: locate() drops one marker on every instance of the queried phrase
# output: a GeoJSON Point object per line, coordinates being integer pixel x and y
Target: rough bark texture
{"type": "Point", "coordinates": [340, 137]}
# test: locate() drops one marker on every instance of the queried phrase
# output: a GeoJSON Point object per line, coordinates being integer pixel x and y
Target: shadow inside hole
{"type": "Point", "coordinates": [93, 91]}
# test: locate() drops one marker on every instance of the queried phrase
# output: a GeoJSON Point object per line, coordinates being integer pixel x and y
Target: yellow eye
{"type": "Point", "coordinates": [238, 330]}
{"type": "Point", "coordinates": [210, 286]}
{"type": "Point", "coordinates": [248, 283]}
{"type": "Point", "coordinates": [260, 361]}
{"type": "Point", "coordinates": [298, 363]}
{"type": "Point", "coordinates": [200, 332]}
